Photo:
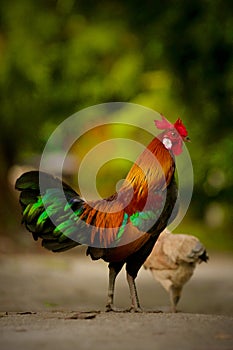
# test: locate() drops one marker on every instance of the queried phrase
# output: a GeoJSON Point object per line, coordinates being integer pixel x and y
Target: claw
{"type": "Point", "coordinates": [112, 308]}
{"type": "Point", "coordinates": [134, 309]}
{"type": "Point", "coordinates": [109, 308]}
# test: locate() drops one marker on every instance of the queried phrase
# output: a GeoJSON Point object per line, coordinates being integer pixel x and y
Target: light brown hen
{"type": "Point", "coordinates": [173, 260]}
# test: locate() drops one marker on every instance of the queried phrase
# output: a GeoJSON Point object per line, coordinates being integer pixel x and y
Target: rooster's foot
{"type": "Point", "coordinates": [134, 309]}
{"type": "Point", "coordinates": [112, 308]}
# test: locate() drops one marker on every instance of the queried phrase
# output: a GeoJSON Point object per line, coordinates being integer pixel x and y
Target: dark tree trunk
{"type": "Point", "coordinates": [9, 210]}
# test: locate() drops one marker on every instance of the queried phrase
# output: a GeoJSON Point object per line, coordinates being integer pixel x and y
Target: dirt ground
{"type": "Point", "coordinates": [50, 301]}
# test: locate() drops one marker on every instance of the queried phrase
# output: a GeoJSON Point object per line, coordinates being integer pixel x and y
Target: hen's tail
{"type": "Point", "coordinates": [45, 211]}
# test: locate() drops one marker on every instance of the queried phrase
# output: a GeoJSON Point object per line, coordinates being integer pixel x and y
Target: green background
{"type": "Point", "coordinates": [57, 57]}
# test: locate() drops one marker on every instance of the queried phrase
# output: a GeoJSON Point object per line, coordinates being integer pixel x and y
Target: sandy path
{"type": "Point", "coordinates": [55, 287]}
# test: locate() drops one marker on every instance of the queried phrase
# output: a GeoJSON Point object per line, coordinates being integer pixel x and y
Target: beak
{"type": "Point", "coordinates": [187, 139]}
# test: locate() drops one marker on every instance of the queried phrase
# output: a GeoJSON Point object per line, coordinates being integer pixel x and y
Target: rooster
{"type": "Point", "coordinates": [121, 229]}
{"type": "Point", "coordinates": [173, 260]}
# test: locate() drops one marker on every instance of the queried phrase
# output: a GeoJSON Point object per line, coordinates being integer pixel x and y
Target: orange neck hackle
{"type": "Point", "coordinates": [151, 172]}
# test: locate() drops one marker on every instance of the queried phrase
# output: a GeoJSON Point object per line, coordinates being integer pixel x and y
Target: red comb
{"type": "Point", "coordinates": [180, 128]}
{"type": "Point", "coordinates": [165, 124]}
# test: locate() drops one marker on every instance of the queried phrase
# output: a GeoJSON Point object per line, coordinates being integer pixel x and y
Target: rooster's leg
{"type": "Point", "coordinates": [114, 269]}
{"type": "Point", "coordinates": [135, 306]}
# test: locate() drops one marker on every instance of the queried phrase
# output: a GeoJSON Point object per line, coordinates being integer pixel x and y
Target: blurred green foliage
{"type": "Point", "coordinates": [57, 57]}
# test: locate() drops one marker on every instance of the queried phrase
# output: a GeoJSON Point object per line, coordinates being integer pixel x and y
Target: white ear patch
{"type": "Point", "coordinates": [167, 143]}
